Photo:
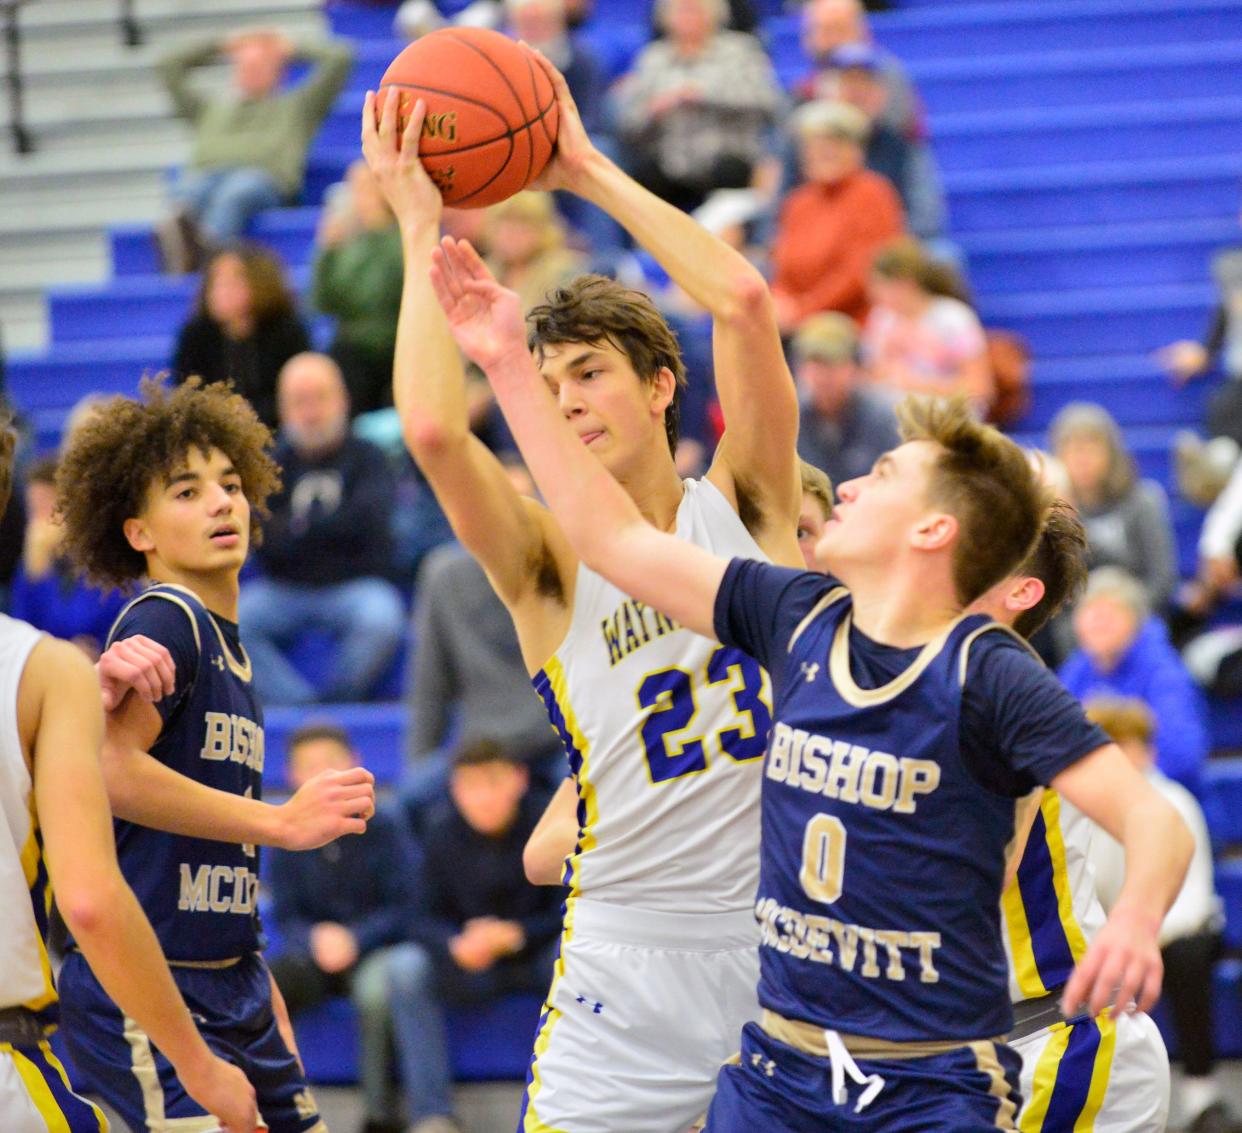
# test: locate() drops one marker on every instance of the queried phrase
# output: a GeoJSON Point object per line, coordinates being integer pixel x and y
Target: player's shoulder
{"type": "Point", "coordinates": [160, 612]}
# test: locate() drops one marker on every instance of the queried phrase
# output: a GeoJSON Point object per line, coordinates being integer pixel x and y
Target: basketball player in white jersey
{"type": "Point", "coordinates": [56, 838]}
{"type": "Point", "coordinates": [1109, 1074]}
{"type": "Point", "coordinates": [665, 731]}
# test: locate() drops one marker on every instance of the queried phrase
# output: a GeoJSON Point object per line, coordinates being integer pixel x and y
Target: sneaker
{"type": "Point", "coordinates": [371, 1125]}
{"type": "Point", "coordinates": [182, 247]}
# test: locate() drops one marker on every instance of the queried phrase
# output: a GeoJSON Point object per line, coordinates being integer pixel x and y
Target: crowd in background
{"type": "Point", "coordinates": [832, 187]}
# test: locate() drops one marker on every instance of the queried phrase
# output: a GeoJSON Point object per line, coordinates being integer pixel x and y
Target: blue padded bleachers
{"type": "Point", "coordinates": [1226, 1012]}
{"type": "Point", "coordinates": [1221, 795]}
{"type": "Point", "coordinates": [1229, 886]}
{"type": "Point", "coordinates": [487, 1043]}
{"type": "Point", "coordinates": [377, 730]}
{"type": "Point", "coordinates": [1225, 724]}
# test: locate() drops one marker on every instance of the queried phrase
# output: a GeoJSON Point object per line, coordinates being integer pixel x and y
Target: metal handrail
{"type": "Point", "coordinates": [22, 141]}
{"type": "Point", "coordinates": [131, 32]}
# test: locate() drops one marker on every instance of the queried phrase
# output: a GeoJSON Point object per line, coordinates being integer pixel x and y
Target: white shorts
{"type": "Point", "coordinates": [643, 1009]}
{"type": "Point", "coordinates": [1113, 1072]}
{"type": "Point", "coordinates": [35, 1095]}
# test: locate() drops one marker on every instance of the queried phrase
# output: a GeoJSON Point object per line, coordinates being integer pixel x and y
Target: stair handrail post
{"type": "Point", "coordinates": [131, 30]}
{"type": "Point", "coordinates": [22, 140]}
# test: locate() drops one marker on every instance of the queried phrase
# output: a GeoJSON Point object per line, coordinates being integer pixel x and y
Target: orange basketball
{"type": "Point", "coordinates": [491, 112]}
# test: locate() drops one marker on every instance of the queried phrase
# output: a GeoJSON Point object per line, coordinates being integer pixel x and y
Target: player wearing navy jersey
{"type": "Point", "coordinates": [663, 729]}
{"type": "Point", "coordinates": [902, 738]}
{"type": "Point", "coordinates": [161, 490]}
{"type": "Point", "coordinates": [1109, 1074]}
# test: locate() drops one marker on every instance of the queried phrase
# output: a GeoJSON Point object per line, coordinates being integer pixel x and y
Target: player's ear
{"type": "Point", "coordinates": [138, 536]}
{"type": "Point", "coordinates": [935, 531]}
{"type": "Point", "coordinates": [1025, 595]}
{"type": "Point", "coordinates": [663, 388]}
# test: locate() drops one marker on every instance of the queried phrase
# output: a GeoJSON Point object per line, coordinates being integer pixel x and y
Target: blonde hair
{"type": "Point", "coordinates": [1126, 719]}
{"type": "Point", "coordinates": [817, 485]}
{"type": "Point", "coordinates": [535, 209]}
{"type": "Point", "coordinates": [985, 481]}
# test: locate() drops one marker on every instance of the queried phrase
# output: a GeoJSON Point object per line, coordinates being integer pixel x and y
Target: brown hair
{"type": "Point", "coordinates": [594, 309]}
{"type": "Point", "coordinates": [8, 446]}
{"type": "Point", "coordinates": [318, 730]}
{"type": "Point", "coordinates": [985, 480]}
{"type": "Point", "coordinates": [1087, 419]}
{"type": "Point", "coordinates": [906, 258]}
{"type": "Point", "coordinates": [485, 751]}
{"type": "Point", "coordinates": [269, 292]}
{"type": "Point", "coordinates": [1059, 561]}
{"type": "Point", "coordinates": [816, 484]}
{"type": "Point", "coordinates": [1126, 719]}
{"type": "Point", "coordinates": [128, 444]}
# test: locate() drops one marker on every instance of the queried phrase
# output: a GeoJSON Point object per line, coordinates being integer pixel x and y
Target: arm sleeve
{"type": "Point", "coordinates": [1214, 340]}
{"type": "Point", "coordinates": [388, 859]}
{"type": "Point", "coordinates": [1155, 543]}
{"type": "Point", "coordinates": [544, 925]}
{"type": "Point", "coordinates": [1181, 738]}
{"type": "Point", "coordinates": [174, 68]}
{"type": "Point", "coordinates": [432, 925]}
{"type": "Point", "coordinates": [172, 624]}
{"type": "Point", "coordinates": [294, 926]}
{"type": "Point", "coordinates": [431, 670]}
{"type": "Point", "coordinates": [747, 81]}
{"type": "Point", "coordinates": [758, 606]}
{"type": "Point", "coordinates": [1020, 727]}
{"type": "Point", "coordinates": [332, 62]}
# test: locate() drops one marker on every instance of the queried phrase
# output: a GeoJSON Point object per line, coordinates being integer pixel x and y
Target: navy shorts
{"type": "Point", "coordinates": [778, 1089]}
{"type": "Point", "coordinates": [233, 1010]}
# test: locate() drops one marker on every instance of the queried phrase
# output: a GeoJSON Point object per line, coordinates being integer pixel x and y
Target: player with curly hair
{"type": "Point", "coordinates": [165, 492]}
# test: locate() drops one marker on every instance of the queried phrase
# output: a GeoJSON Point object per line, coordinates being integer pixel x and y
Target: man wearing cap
{"type": "Point", "coordinates": [832, 225]}
{"type": "Point", "coordinates": [845, 426]}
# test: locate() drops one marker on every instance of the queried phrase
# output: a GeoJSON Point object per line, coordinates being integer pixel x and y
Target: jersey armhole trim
{"type": "Point", "coordinates": [834, 595]}
{"type": "Point", "coordinates": [991, 627]}
{"type": "Point", "coordinates": [176, 599]}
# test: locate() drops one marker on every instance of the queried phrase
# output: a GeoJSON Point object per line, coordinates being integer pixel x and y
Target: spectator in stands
{"type": "Point", "coordinates": [1190, 937]}
{"type": "Point", "coordinates": [485, 933]}
{"type": "Point", "coordinates": [249, 148]}
{"type": "Point", "coordinates": [1127, 519]}
{"type": "Point", "coordinates": [921, 337]}
{"type": "Point", "coordinates": [831, 226]}
{"type": "Point", "coordinates": [544, 25]}
{"type": "Point", "coordinates": [815, 511]}
{"type": "Point", "coordinates": [244, 327]}
{"type": "Point", "coordinates": [906, 160]}
{"type": "Point", "coordinates": [47, 592]}
{"type": "Point", "coordinates": [1122, 650]}
{"type": "Point", "coordinates": [466, 675]}
{"type": "Point", "coordinates": [527, 249]}
{"type": "Point", "coordinates": [327, 548]}
{"type": "Point", "coordinates": [845, 425]}
{"type": "Point", "coordinates": [694, 111]}
{"type": "Point", "coordinates": [338, 911]}
{"type": "Point", "coordinates": [358, 278]}
{"type": "Point", "coordinates": [830, 25]}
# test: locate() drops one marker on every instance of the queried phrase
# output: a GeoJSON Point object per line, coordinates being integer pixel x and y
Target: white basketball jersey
{"type": "Point", "coordinates": [1050, 912]}
{"type": "Point", "coordinates": [665, 733]}
{"type": "Point", "coordinates": [25, 897]}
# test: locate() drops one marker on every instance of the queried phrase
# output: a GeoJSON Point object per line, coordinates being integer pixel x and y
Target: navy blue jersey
{"type": "Point", "coordinates": [888, 801]}
{"type": "Point", "coordinates": [198, 894]}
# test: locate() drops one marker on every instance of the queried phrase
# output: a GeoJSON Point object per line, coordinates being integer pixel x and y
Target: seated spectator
{"type": "Point", "coordinates": [327, 547]}
{"type": "Point", "coordinates": [1127, 519]}
{"type": "Point", "coordinates": [485, 933]}
{"type": "Point", "coordinates": [921, 337]}
{"type": "Point", "coordinates": [1190, 937]}
{"type": "Point", "coordinates": [815, 511]}
{"type": "Point", "coordinates": [831, 227]}
{"type": "Point", "coordinates": [249, 148]}
{"type": "Point", "coordinates": [1123, 651]}
{"type": "Point", "coordinates": [830, 25]}
{"type": "Point", "coordinates": [47, 592]}
{"type": "Point", "coordinates": [244, 327]}
{"type": "Point", "coordinates": [526, 248]}
{"type": "Point", "coordinates": [693, 112]}
{"type": "Point", "coordinates": [338, 911]}
{"type": "Point", "coordinates": [846, 426]}
{"type": "Point", "coordinates": [466, 676]}
{"type": "Point", "coordinates": [358, 275]}
{"type": "Point", "coordinates": [543, 24]}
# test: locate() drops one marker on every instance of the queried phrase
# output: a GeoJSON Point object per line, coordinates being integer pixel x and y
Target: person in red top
{"type": "Point", "coordinates": [832, 225]}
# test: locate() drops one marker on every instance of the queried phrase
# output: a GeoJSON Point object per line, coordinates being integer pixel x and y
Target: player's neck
{"type": "Point", "coordinates": [657, 490]}
{"type": "Point", "coordinates": [904, 613]}
{"type": "Point", "coordinates": [217, 590]}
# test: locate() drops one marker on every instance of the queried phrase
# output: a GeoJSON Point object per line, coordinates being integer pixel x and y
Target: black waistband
{"type": "Point", "coordinates": [20, 1026]}
{"type": "Point", "coordinates": [1035, 1014]}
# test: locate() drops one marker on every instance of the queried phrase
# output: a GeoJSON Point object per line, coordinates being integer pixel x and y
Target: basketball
{"type": "Point", "coordinates": [491, 112]}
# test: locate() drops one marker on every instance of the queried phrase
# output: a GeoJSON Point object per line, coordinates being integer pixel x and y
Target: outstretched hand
{"type": "Point", "coordinates": [393, 158]}
{"type": "Point", "coordinates": [1121, 968]}
{"type": "Point", "coordinates": [574, 148]}
{"type": "Point", "coordinates": [485, 318]}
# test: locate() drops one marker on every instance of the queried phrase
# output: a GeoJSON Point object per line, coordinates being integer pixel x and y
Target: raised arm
{"type": "Point", "coordinates": [753, 380]}
{"type": "Point", "coordinates": [503, 531]}
{"type": "Point", "coordinates": [601, 522]}
{"type": "Point", "coordinates": [1123, 963]}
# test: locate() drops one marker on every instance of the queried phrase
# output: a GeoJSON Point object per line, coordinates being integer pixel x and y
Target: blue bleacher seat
{"type": "Point", "coordinates": [1221, 796]}
{"type": "Point", "coordinates": [1229, 886]}
{"type": "Point", "coordinates": [377, 730]}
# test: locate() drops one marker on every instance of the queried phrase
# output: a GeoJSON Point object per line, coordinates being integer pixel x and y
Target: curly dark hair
{"type": "Point", "coordinates": [127, 443]}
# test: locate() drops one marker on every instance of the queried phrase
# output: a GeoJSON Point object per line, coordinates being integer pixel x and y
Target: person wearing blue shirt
{"type": "Point", "coordinates": [904, 732]}
{"type": "Point", "coordinates": [167, 490]}
{"type": "Point", "coordinates": [1123, 651]}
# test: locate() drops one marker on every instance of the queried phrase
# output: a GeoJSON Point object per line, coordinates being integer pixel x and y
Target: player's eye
{"type": "Point", "coordinates": [185, 493]}
{"type": "Point", "coordinates": [587, 375]}
{"type": "Point", "coordinates": [232, 488]}
{"type": "Point", "coordinates": [804, 532]}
